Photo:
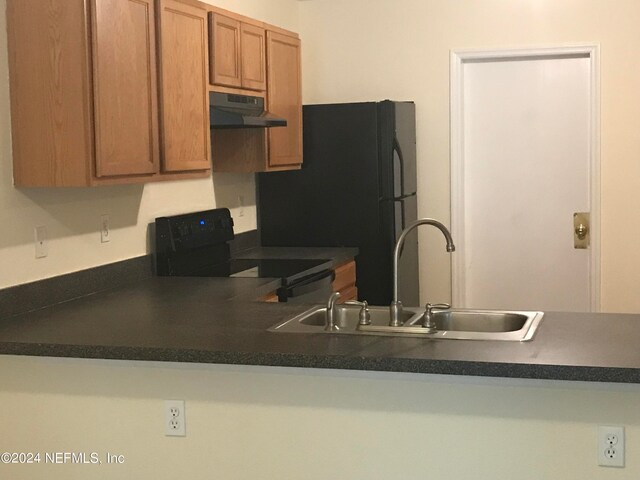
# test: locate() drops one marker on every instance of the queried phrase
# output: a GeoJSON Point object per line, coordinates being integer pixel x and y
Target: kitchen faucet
{"type": "Point", "coordinates": [364, 317]}
{"type": "Point", "coordinates": [330, 325]}
{"type": "Point", "coordinates": [395, 308]}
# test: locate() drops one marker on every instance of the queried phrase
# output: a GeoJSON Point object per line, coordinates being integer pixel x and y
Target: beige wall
{"type": "Point", "coordinates": [258, 423]}
{"type": "Point", "coordinates": [72, 216]}
{"type": "Point", "coordinates": [249, 423]}
{"type": "Point", "coordinates": [359, 50]}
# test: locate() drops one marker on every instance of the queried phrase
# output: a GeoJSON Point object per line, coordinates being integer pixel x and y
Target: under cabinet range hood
{"type": "Point", "coordinates": [229, 110]}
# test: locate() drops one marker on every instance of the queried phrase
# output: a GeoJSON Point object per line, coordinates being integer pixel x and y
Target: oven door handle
{"type": "Point", "coordinates": [306, 285]}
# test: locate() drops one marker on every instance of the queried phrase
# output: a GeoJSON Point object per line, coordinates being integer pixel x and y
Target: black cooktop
{"type": "Point", "coordinates": [287, 269]}
{"type": "Point", "coordinates": [196, 245]}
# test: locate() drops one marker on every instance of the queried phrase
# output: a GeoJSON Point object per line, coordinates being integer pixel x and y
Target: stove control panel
{"type": "Point", "coordinates": [181, 236]}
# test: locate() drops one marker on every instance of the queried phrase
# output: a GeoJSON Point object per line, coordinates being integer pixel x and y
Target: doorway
{"type": "Point", "coordinates": [525, 158]}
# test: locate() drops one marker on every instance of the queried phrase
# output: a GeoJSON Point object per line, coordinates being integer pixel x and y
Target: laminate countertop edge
{"type": "Point", "coordinates": [297, 360]}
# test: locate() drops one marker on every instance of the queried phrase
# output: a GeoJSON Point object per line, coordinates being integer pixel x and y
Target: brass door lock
{"type": "Point", "coordinates": [581, 231]}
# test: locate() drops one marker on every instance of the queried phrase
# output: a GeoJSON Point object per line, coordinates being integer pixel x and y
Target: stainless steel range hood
{"type": "Point", "coordinates": [240, 111]}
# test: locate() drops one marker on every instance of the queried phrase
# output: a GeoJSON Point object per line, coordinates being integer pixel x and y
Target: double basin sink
{"type": "Point", "coordinates": [454, 324]}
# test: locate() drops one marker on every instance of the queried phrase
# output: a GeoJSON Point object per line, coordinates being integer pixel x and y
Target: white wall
{"type": "Point", "coordinates": [253, 423]}
{"type": "Point", "coordinates": [361, 50]}
{"type": "Point", "coordinates": [248, 423]}
{"type": "Point", "coordinates": [72, 216]}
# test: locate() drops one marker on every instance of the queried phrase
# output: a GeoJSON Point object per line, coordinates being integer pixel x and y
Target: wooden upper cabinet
{"type": "Point", "coordinates": [253, 44]}
{"type": "Point", "coordinates": [125, 87]}
{"type": "Point", "coordinates": [284, 99]}
{"type": "Point", "coordinates": [184, 87]}
{"type": "Point", "coordinates": [50, 120]}
{"type": "Point", "coordinates": [84, 89]}
{"type": "Point", "coordinates": [117, 91]}
{"type": "Point", "coordinates": [270, 149]}
{"type": "Point", "coordinates": [225, 62]}
{"type": "Point", "coordinates": [237, 52]}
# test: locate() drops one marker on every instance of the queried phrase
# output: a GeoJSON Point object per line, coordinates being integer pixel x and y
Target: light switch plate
{"type": "Point", "coordinates": [40, 237]}
{"type": "Point", "coordinates": [105, 231]}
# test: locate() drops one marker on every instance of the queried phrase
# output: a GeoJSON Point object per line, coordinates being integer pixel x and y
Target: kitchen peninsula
{"type": "Point", "coordinates": [217, 320]}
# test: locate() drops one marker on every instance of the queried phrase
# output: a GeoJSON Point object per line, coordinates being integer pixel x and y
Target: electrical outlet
{"type": "Point", "coordinates": [105, 232]}
{"type": "Point", "coordinates": [175, 419]}
{"type": "Point", "coordinates": [611, 446]}
{"type": "Point", "coordinates": [40, 237]}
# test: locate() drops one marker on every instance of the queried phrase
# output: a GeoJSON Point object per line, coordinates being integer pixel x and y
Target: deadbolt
{"type": "Point", "coordinates": [581, 230]}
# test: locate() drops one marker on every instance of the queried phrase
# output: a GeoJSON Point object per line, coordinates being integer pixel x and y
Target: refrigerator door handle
{"type": "Point", "coordinates": [400, 200]}
{"type": "Point", "coordinates": [404, 197]}
{"type": "Point", "coordinates": [403, 220]}
{"type": "Point", "coordinates": [398, 150]}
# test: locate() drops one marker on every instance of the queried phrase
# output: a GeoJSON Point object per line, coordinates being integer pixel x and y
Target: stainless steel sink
{"type": "Point", "coordinates": [347, 317]}
{"type": "Point", "coordinates": [455, 324]}
{"type": "Point", "coordinates": [483, 324]}
{"type": "Point", "coordinates": [479, 321]}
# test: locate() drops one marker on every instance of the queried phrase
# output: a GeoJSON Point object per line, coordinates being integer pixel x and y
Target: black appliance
{"type": "Point", "coordinates": [196, 245]}
{"type": "Point", "coordinates": [229, 110]}
{"type": "Point", "coordinates": [357, 187]}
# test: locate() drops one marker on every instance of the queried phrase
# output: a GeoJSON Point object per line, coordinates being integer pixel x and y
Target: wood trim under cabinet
{"type": "Point", "coordinates": [232, 90]}
{"type": "Point", "coordinates": [156, 177]}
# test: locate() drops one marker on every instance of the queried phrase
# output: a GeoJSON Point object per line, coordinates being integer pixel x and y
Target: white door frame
{"type": "Point", "coordinates": [458, 59]}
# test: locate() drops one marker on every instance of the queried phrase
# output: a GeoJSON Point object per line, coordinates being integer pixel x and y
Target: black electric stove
{"type": "Point", "coordinates": [196, 245]}
{"type": "Point", "coordinates": [288, 270]}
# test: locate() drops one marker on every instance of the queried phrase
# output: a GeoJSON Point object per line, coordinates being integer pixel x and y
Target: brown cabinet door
{"type": "Point", "coordinates": [224, 49]}
{"type": "Point", "coordinates": [50, 92]}
{"type": "Point", "coordinates": [254, 69]}
{"type": "Point", "coordinates": [284, 99]}
{"type": "Point", "coordinates": [125, 87]}
{"type": "Point", "coordinates": [184, 87]}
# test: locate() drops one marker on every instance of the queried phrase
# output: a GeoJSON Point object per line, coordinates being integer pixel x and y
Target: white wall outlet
{"type": "Point", "coordinates": [175, 424]}
{"type": "Point", "coordinates": [40, 237]}
{"type": "Point", "coordinates": [105, 231]}
{"type": "Point", "coordinates": [611, 446]}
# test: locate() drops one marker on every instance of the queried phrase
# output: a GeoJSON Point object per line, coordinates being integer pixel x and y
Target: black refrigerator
{"type": "Point", "coordinates": [356, 188]}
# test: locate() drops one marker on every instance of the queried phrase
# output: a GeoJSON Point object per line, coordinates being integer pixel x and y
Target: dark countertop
{"type": "Point", "coordinates": [215, 320]}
